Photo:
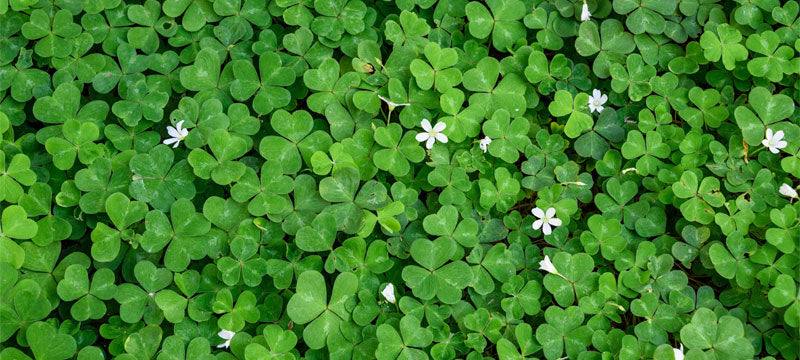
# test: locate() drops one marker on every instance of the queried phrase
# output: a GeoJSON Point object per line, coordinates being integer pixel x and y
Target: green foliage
{"type": "Point", "coordinates": [399, 179]}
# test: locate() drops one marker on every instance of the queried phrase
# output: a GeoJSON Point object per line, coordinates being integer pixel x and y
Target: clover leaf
{"type": "Point", "coordinates": [324, 316]}
{"type": "Point", "coordinates": [15, 174]}
{"type": "Point", "coordinates": [47, 342]}
{"type": "Point", "coordinates": [437, 277]}
{"type": "Point", "coordinates": [502, 22]}
{"type": "Point", "coordinates": [269, 90]}
{"type": "Point", "coordinates": [159, 182]}
{"type": "Point", "coordinates": [297, 141]}
{"type": "Point", "coordinates": [716, 336]}
{"type": "Point", "coordinates": [75, 286]}
{"type": "Point", "coordinates": [106, 241]}
{"type": "Point", "coordinates": [180, 234]}
{"type": "Point", "coordinates": [563, 332]}
{"type": "Point", "coordinates": [222, 167]}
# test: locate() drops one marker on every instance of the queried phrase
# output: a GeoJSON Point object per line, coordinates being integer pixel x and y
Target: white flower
{"type": "Point", "coordinates": [546, 220]}
{"type": "Point", "coordinates": [597, 100]}
{"type": "Point", "coordinates": [227, 335]}
{"type": "Point", "coordinates": [178, 133]}
{"type": "Point", "coordinates": [391, 103]}
{"type": "Point", "coordinates": [774, 141]}
{"type": "Point", "coordinates": [678, 353]}
{"type": "Point", "coordinates": [484, 144]}
{"type": "Point", "coordinates": [388, 293]}
{"type": "Point", "coordinates": [585, 14]}
{"type": "Point", "coordinates": [547, 265]}
{"type": "Point", "coordinates": [432, 134]}
{"type": "Point", "coordinates": [787, 190]}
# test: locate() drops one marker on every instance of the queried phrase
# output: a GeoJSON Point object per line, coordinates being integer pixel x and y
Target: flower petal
{"type": "Point", "coordinates": [546, 229]}
{"type": "Point", "coordinates": [442, 138]}
{"type": "Point", "coordinates": [426, 125]}
{"type": "Point", "coordinates": [550, 212]}
{"type": "Point", "coordinates": [539, 213]}
{"type": "Point", "coordinates": [171, 141]}
{"type": "Point", "coordinates": [429, 144]}
{"type": "Point", "coordinates": [173, 131]}
{"type": "Point", "coordinates": [422, 136]}
{"type": "Point", "coordinates": [439, 126]}
{"type": "Point", "coordinates": [537, 224]}
{"type": "Point", "coordinates": [555, 221]}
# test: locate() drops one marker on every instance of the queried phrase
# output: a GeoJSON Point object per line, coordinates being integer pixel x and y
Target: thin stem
{"type": "Point", "coordinates": [757, 150]}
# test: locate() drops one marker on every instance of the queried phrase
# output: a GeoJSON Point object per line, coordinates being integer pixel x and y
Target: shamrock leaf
{"type": "Point", "coordinates": [182, 234]}
{"type": "Point", "coordinates": [222, 167]}
{"type": "Point", "coordinates": [644, 15]}
{"type": "Point", "coordinates": [605, 236]}
{"type": "Point", "coordinates": [706, 112]}
{"type": "Point", "coordinates": [101, 179]}
{"type": "Point", "coordinates": [75, 286]}
{"type": "Point", "coordinates": [159, 182]}
{"type": "Point", "coordinates": [65, 105]}
{"type": "Point", "coordinates": [437, 277]}
{"type": "Point", "coordinates": [659, 318]}
{"type": "Point", "coordinates": [267, 195]}
{"type": "Point", "coordinates": [310, 305]}
{"type": "Point", "coordinates": [575, 278]}
{"type": "Point", "coordinates": [438, 72]}
{"type": "Point", "coordinates": [269, 90]}
{"type": "Point", "coordinates": [399, 150]}
{"type": "Point", "coordinates": [491, 95]}
{"type": "Point", "coordinates": [732, 262]}
{"type": "Point", "coordinates": [502, 22]}
{"type": "Point", "coordinates": [13, 175]}
{"type": "Point", "coordinates": [47, 342]}
{"type": "Point", "coordinates": [296, 142]}
{"type": "Point", "coordinates": [106, 241]}
{"type": "Point", "coordinates": [769, 109]}
{"type": "Point", "coordinates": [720, 337]}
{"type": "Point", "coordinates": [635, 76]}
{"type": "Point", "coordinates": [563, 331]}
{"type": "Point", "coordinates": [503, 192]}
{"type": "Point", "coordinates": [648, 152]}
{"type": "Point", "coordinates": [411, 30]}
{"type": "Point", "coordinates": [204, 73]}
{"type": "Point", "coordinates": [409, 345]}
{"type": "Point", "coordinates": [563, 105]}
{"type": "Point", "coordinates": [610, 42]}
{"type": "Point", "coordinates": [445, 224]}
{"type": "Point", "coordinates": [524, 297]}
{"type": "Point", "coordinates": [725, 45]}
{"type": "Point", "coordinates": [785, 293]}
{"type": "Point", "coordinates": [279, 344]}
{"type": "Point", "coordinates": [328, 86]}
{"type": "Point", "coordinates": [246, 266]}
{"type": "Point", "coordinates": [52, 33]}
{"type": "Point", "coordinates": [14, 224]}
{"type": "Point", "coordinates": [509, 138]}
{"type": "Point", "coordinates": [775, 61]}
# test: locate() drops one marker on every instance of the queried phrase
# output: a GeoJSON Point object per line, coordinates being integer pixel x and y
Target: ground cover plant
{"type": "Point", "coordinates": [409, 179]}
